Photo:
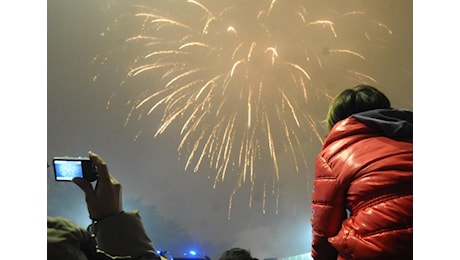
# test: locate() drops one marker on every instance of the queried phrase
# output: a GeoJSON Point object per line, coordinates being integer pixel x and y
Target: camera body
{"type": "Point", "coordinates": [66, 168]}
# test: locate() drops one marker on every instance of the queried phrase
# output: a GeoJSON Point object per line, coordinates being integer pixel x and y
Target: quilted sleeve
{"type": "Point", "coordinates": [328, 209]}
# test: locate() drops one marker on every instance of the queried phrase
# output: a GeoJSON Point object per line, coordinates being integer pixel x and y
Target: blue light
{"type": "Point", "coordinates": [192, 252]}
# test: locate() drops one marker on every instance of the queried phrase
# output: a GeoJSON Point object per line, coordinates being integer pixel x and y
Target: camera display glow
{"type": "Point", "coordinates": [67, 170]}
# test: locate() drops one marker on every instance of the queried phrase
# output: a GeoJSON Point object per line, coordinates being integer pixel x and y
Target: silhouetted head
{"type": "Point", "coordinates": [354, 100]}
{"type": "Point", "coordinates": [236, 254]}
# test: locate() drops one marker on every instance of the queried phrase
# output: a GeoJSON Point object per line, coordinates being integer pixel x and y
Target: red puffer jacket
{"type": "Point", "coordinates": [363, 189]}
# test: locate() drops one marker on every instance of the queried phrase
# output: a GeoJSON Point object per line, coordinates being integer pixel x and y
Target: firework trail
{"type": "Point", "coordinates": [242, 81]}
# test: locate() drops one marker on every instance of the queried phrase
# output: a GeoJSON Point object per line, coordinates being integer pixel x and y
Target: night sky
{"type": "Point", "coordinates": [90, 98]}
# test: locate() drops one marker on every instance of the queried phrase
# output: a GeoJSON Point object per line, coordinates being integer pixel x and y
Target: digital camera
{"type": "Point", "coordinates": [66, 168]}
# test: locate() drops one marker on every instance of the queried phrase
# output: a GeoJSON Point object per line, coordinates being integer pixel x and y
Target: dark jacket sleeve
{"type": "Point", "coordinates": [123, 236]}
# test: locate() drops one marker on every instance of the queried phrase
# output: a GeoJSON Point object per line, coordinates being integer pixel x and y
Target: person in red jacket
{"type": "Point", "coordinates": [363, 183]}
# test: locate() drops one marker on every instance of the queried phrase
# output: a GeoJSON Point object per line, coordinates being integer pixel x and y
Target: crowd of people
{"type": "Point", "coordinates": [361, 201]}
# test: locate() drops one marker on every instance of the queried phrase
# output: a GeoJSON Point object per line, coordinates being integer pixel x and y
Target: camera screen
{"type": "Point", "coordinates": [67, 170]}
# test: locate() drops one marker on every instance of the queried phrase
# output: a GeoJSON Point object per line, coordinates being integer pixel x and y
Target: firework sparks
{"type": "Point", "coordinates": [239, 80]}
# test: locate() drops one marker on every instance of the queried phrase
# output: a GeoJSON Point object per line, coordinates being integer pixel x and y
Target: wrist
{"type": "Point", "coordinates": [105, 216]}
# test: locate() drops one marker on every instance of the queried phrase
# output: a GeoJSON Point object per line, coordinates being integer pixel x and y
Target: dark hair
{"type": "Point", "coordinates": [236, 253]}
{"type": "Point", "coordinates": [354, 100]}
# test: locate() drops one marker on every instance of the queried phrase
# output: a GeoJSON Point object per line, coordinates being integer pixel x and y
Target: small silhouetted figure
{"type": "Point", "coordinates": [236, 253]}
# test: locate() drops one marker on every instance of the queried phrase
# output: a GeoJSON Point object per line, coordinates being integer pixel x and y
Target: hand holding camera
{"type": "Point", "coordinates": [104, 199]}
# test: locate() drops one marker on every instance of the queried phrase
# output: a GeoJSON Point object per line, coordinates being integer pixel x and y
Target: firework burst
{"type": "Point", "coordinates": [243, 81]}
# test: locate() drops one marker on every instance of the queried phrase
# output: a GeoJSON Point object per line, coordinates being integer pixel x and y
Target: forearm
{"type": "Point", "coordinates": [328, 210]}
{"type": "Point", "coordinates": [323, 227]}
{"type": "Point", "coordinates": [123, 235]}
